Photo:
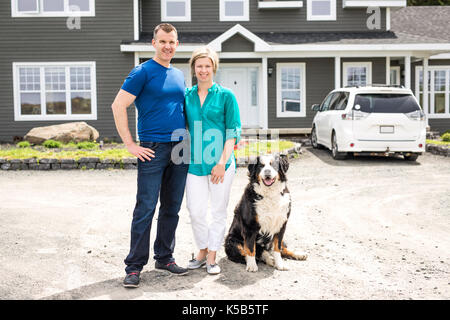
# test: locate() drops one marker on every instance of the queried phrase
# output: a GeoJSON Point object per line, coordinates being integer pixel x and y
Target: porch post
{"type": "Point", "coordinates": [337, 72]}
{"type": "Point", "coordinates": [388, 70]}
{"type": "Point", "coordinates": [408, 72]}
{"type": "Point", "coordinates": [425, 86]}
{"type": "Point", "coordinates": [136, 19]}
{"type": "Point", "coordinates": [265, 95]}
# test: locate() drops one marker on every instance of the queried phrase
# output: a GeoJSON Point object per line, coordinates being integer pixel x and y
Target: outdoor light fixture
{"type": "Point", "coordinates": [269, 71]}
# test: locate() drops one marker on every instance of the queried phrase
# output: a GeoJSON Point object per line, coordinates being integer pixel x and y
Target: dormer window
{"type": "Point", "coordinates": [321, 10]}
{"type": "Point", "coordinates": [175, 10]}
{"type": "Point", "coordinates": [234, 10]}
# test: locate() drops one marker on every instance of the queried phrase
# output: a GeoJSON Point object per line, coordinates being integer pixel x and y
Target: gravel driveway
{"type": "Point", "coordinates": [373, 228]}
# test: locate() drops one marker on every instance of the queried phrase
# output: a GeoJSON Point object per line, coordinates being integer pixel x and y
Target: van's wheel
{"type": "Point", "coordinates": [335, 151]}
{"type": "Point", "coordinates": [411, 157]}
{"type": "Point", "coordinates": [313, 138]}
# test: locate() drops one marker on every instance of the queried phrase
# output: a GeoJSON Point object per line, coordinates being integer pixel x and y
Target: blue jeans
{"type": "Point", "coordinates": [158, 177]}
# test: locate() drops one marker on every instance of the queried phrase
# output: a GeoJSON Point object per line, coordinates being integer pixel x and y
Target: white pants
{"type": "Point", "coordinates": [199, 190]}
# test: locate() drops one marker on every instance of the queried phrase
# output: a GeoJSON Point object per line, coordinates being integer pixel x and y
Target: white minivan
{"type": "Point", "coordinates": [370, 120]}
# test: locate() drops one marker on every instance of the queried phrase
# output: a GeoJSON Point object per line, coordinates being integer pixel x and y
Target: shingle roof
{"type": "Point", "coordinates": [423, 21]}
{"type": "Point", "coordinates": [409, 25]}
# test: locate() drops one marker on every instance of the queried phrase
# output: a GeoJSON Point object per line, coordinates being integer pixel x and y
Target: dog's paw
{"type": "Point", "coordinates": [251, 264]}
{"type": "Point", "coordinates": [301, 257]}
{"type": "Point", "coordinates": [268, 258]}
{"type": "Point", "coordinates": [281, 266]}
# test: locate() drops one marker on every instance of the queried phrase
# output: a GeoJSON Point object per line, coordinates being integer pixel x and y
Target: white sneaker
{"type": "Point", "coordinates": [212, 268]}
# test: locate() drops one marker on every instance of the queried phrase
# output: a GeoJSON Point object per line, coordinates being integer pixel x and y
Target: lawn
{"type": "Point", "coordinates": [118, 151]}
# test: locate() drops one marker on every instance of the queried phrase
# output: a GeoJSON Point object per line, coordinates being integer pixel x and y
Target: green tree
{"type": "Point", "coordinates": [428, 2]}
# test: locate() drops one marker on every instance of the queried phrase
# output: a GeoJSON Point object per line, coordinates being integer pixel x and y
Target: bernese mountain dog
{"type": "Point", "coordinates": [260, 217]}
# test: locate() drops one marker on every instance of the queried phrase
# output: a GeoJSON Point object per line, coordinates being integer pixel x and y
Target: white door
{"type": "Point", "coordinates": [243, 81]}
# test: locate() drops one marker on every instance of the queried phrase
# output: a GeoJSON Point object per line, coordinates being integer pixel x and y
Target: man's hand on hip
{"type": "Point", "coordinates": [140, 152]}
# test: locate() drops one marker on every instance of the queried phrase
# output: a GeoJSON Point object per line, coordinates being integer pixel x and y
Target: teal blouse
{"type": "Point", "coordinates": [210, 126]}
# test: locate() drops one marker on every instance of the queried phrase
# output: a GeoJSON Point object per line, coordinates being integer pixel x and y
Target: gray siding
{"type": "Point", "coordinates": [319, 81]}
{"type": "Point", "coordinates": [238, 43]}
{"type": "Point", "coordinates": [49, 40]}
{"type": "Point", "coordinates": [205, 17]}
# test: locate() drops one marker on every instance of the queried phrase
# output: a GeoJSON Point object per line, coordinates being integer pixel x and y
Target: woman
{"type": "Point", "coordinates": [212, 115]}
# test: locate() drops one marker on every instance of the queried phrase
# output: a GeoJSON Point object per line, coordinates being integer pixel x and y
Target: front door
{"type": "Point", "coordinates": [243, 81]}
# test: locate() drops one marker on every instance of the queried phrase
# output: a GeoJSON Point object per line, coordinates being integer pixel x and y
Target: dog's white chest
{"type": "Point", "coordinates": [272, 212]}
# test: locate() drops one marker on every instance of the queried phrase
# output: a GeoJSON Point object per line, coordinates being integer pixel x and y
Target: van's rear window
{"type": "Point", "coordinates": [386, 103]}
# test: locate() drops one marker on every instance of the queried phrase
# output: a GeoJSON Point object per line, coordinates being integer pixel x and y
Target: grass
{"type": "Point", "coordinates": [26, 153]}
{"type": "Point", "coordinates": [440, 143]}
{"type": "Point", "coordinates": [118, 152]}
{"type": "Point", "coordinates": [256, 148]}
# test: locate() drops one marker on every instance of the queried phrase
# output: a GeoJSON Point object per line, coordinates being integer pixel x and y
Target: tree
{"type": "Point", "coordinates": [428, 2]}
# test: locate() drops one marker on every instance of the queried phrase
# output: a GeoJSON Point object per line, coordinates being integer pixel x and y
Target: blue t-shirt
{"type": "Point", "coordinates": [159, 100]}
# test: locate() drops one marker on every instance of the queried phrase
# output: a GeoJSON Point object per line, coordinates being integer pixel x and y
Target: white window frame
{"type": "Point", "coordinates": [367, 65]}
{"type": "Point", "coordinates": [292, 114]}
{"type": "Point", "coordinates": [311, 17]}
{"type": "Point", "coordinates": [15, 13]}
{"type": "Point", "coordinates": [165, 17]}
{"type": "Point", "coordinates": [397, 78]}
{"type": "Point", "coordinates": [244, 17]}
{"type": "Point", "coordinates": [46, 117]}
{"type": "Point", "coordinates": [431, 92]}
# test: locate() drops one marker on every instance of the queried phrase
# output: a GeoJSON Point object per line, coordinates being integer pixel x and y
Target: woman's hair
{"type": "Point", "coordinates": [204, 52]}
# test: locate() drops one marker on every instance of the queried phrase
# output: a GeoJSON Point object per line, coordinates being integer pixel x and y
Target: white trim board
{"type": "Point", "coordinates": [279, 4]}
{"type": "Point", "coordinates": [260, 45]}
{"type": "Point", "coordinates": [373, 3]}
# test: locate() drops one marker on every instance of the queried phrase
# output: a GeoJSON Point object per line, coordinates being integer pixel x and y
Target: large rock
{"type": "Point", "coordinates": [74, 131]}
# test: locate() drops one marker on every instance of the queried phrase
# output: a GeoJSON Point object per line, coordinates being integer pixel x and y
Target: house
{"type": "Point", "coordinates": [65, 60]}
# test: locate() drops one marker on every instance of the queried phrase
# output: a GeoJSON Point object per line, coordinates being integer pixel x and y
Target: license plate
{"type": "Point", "coordinates": [386, 129]}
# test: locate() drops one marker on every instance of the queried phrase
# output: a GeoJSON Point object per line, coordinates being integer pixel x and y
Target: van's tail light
{"type": "Point", "coordinates": [355, 115]}
{"type": "Point", "coordinates": [417, 115]}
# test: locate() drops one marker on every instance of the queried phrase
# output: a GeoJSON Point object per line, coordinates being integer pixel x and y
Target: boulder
{"type": "Point", "coordinates": [73, 131]}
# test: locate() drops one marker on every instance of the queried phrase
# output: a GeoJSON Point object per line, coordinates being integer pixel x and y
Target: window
{"type": "Point", "coordinates": [175, 10]}
{"type": "Point", "coordinates": [55, 91]}
{"type": "Point", "coordinates": [357, 73]}
{"type": "Point", "coordinates": [234, 10]}
{"type": "Point", "coordinates": [52, 8]}
{"type": "Point", "coordinates": [321, 10]}
{"type": "Point", "coordinates": [438, 90]}
{"type": "Point", "coordinates": [341, 103]}
{"type": "Point", "coordinates": [386, 103]}
{"type": "Point", "coordinates": [291, 93]}
{"type": "Point", "coordinates": [395, 75]}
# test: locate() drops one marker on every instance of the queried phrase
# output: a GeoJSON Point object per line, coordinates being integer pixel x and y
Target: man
{"type": "Point", "coordinates": [157, 89]}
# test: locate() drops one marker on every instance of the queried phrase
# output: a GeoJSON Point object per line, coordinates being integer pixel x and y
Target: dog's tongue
{"type": "Point", "coordinates": [268, 181]}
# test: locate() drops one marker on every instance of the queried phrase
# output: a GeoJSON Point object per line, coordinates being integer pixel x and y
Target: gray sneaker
{"type": "Point", "coordinates": [195, 264]}
{"type": "Point", "coordinates": [212, 268]}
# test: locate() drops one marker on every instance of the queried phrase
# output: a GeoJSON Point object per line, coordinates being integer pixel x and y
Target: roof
{"type": "Point", "coordinates": [409, 25]}
{"type": "Point", "coordinates": [422, 21]}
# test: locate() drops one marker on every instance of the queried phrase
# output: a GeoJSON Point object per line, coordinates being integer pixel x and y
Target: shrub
{"type": "Point", "coordinates": [87, 145]}
{"type": "Point", "coordinates": [52, 144]}
{"type": "Point", "coordinates": [23, 144]}
{"type": "Point", "coordinates": [446, 137]}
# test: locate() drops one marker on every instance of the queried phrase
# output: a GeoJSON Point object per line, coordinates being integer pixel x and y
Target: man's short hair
{"type": "Point", "coordinates": [166, 27]}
